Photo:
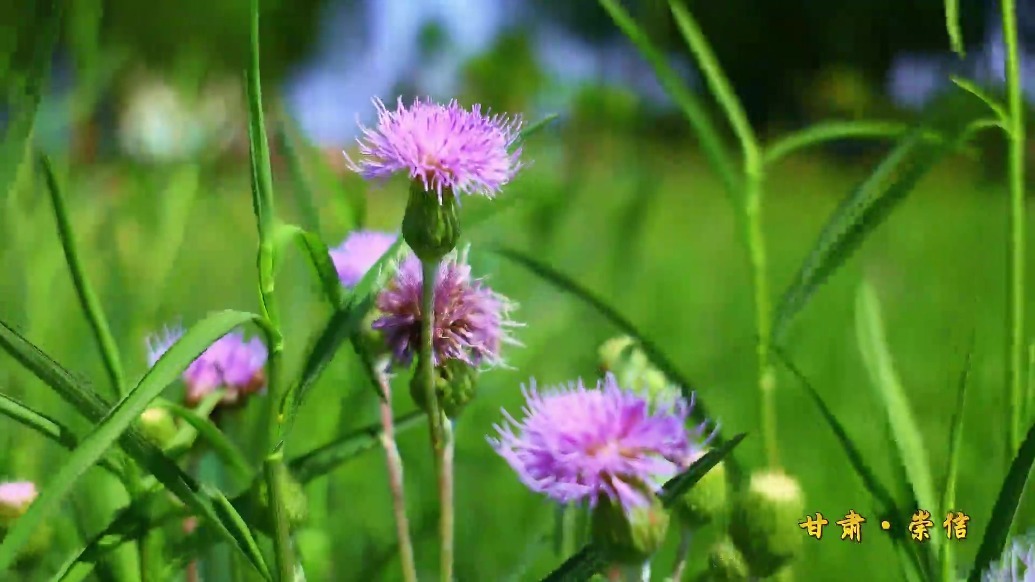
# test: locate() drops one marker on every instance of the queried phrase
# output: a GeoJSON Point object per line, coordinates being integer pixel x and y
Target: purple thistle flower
{"type": "Point", "coordinates": [446, 146]}
{"type": "Point", "coordinates": [1017, 563]}
{"type": "Point", "coordinates": [358, 253]}
{"type": "Point", "coordinates": [16, 496]}
{"type": "Point", "coordinates": [580, 444]}
{"type": "Point", "coordinates": [230, 362]}
{"type": "Point", "coordinates": [471, 320]}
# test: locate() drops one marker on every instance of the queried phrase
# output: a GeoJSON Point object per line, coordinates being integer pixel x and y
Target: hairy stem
{"type": "Point", "coordinates": [763, 310]}
{"type": "Point", "coordinates": [395, 480]}
{"type": "Point", "coordinates": [429, 273]}
{"type": "Point", "coordinates": [1015, 319]}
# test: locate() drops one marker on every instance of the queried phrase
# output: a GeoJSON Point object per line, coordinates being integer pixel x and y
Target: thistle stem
{"type": "Point", "coordinates": [682, 555]}
{"type": "Point", "coordinates": [763, 310]}
{"type": "Point", "coordinates": [445, 488]}
{"type": "Point", "coordinates": [1015, 288]}
{"type": "Point", "coordinates": [395, 480]}
{"type": "Point", "coordinates": [429, 273]}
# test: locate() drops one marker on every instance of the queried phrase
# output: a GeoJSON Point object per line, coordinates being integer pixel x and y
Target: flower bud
{"type": "Point", "coordinates": [455, 386]}
{"type": "Point", "coordinates": [15, 499]}
{"type": "Point", "coordinates": [158, 425]}
{"type": "Point", "coordinates": [725, 564]}
{"type": "Point", "coordinates": [629, 537]}
{"type": "Point", "coordinates": [258, 501]}
{"type": "Point", "coordinates": [370, 340]}
{"type": "Point", "coordinates": [764, 523]}
{"type": "Point", "coordinates": [707, 500]}
{"type": "Point", "coordinates": [431, 224]}
{"type": "Point", "coordinates": [623, 357]}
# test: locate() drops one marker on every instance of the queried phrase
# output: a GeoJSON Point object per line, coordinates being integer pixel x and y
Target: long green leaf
{"type": "Point", "coordinates": [1004, 511]}
{"type": "Point", "coordinates": [224, 448]}
{"type": "Point", "coordinates": [138, 446]}
{"type": "Point", "coordinates": [15, 143]}
{"type": "Point", "coordinates": [581, 567]}
{"type": "Point", "coordinates": [870, 203]}
{"type": "Point", "coordinates": [828, 131]}
{"type": "Point", "coordinates": [952, 26]}
{"type": "Point", "coordinates": [326, 458]}
{"type": "Point", "coordinates": [287, 139]}
{"type": "Point", "coordinates": [881, 494]}
{"type": "Point", "coordinates": [340, 327]}
{"type": "Point", "coordinates": [534, 128]}
{"type": "Point", "coordinates": [318, 257]}
{"type": "Point", "coordinates": [692, 108]}
{"type": "Point", "coordinates": [948, 554]}
{"type": "Point", "coordinates": [84, 291]}
{"type": "Point", "coordinates": [49, 428]}
{"type": "Point", "coordinates": [874, 347]}
{"type": "Point", "coordinates": [652, 351]}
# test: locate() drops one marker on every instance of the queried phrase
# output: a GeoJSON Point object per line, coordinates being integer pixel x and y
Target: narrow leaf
{"type": "Point", "coordinates": [49, 428]}
{"type": "Point", "coordinates": [287, 140]}
{"type": "Point", "coordinates": [874, 347]}
{"type": "Point", "coordinates": [948, 557]}
{"type": "Point", "coordinates": [996, 107]}
{"type": "Point", "coordinates": [326, 458]}
{"type": "Point", "coordinates": [824, 132]}
{"type": "Point", "coordinates": [683, 482]}
{"type": "Point", "coordinates": [534, 128]}
{"type": "Point", "coordinates": [95, 409]}
{"type": "Point", "coordinates": [952, 26]}
{"type": "Point", "coordinates": [88, 301]}
{"type": "Point", "coordinates": [1005, 509]}
{"type": "Point", "coordinates": [319, 258]}
{"type": "Point", "coordinates": [224, 448]}
{"type": "Point", "coordinates": [692, 108]}
{"type": "Point", "coordinates": [581, 567]}
{"type": "Point", "coordinates": [870, 203]}
{"type": "Point", "coordinates": [115, 423]}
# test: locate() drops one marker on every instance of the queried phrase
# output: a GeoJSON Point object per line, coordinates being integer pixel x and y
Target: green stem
{"type": "Point", "coordinates": [1015, 357]}
{"type": "Point", "coordinates": [446, 502]}
{"type": "Point", "coordinates": [763, 310]}
{"type": "Point", "coordinates": [281, 530]}
{"type": "Point", "coordinates": [429, 272]}
{"type": "Point", "coordinates": [395, 478]}
{"type": "Point", "coordinates": [682, 555]}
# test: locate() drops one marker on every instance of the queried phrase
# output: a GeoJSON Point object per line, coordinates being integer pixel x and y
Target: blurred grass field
{"type": "Point", "coordinates": [642, 223]}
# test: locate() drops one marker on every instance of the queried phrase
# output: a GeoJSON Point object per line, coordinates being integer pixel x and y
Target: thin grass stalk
{"type": "Point", "coordinates": [1015, 287]}
{"type": "Point", "coordinates": [682, 555]}
{"type": "Point", "coordinates": [395, 479]}
{"type": "Point", "coordinates": [438, 444]}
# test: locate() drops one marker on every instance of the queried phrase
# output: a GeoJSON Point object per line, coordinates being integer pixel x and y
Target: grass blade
{"type": "Point", "coordinates": [692, 108]}
{"type": "Point", "coordinates": [828, 131]}
{"type": "Point", "coordinates": [87, 299]}
{"type": "Point", "coordinates": [874, 347]}
{"type": "Point", "coordinates": [948, 556]}
{"type": "Point", "coordinates": [952, 26]}
{"type": "Point", "coordinates": [881, 494]}
{"type": "Point", "coordinates": [534, 128]}
{"type": "Point", "coordinates": [95, 409]}
{"type": "Point", "coordinates": [682, 483]}
{"type": "Point", "coordinates": [581, 567]}
{"type": "Point", "coordinates": [318, 256]}
{"type": "Point", "coordinates": [1005, 508]}
{"type": "Point", "coordinates": [287, 139]}
{"type": "Point", "coordinates": [998, 108]}
{"type": "Point", "coordinates": [115, 423]}
{"type": "Point", "coordinates": [324, 459]}
{"type": "Point", "coordinates": [339, 328]}
{"type": "Point", "coordinates": [15, 144]}
{"type": "Point", "coordinates": [652, 351]}
{"type": "Point", "coordinates": [870, 203]}
{"type": "Point", "coordinates": [49, 428]}
{"type": "Point", "coordinates": [223, 446]}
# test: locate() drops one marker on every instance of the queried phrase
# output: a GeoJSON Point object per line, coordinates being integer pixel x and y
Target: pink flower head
{"type": "Point", "coordinates": [445, 146]}
{"type": "Point", "coordinates": [471, 320]}
{"type": "Point", "coordinates": [230, 362]}
{"type": "Point", "coordinates": [358, 253]}
{"type": "Point", "coordinates": [16, 496]}
{"type": "Point", "coordinates": [577, 443]}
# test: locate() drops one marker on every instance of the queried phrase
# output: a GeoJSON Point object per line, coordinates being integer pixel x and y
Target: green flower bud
{"type": "Point", "coordinates": [370, 340]}
{"type": "Point", "coordinates": [431, 228]}
{"type": "Point", "coordinates": [455, 387]}
{"type": "Point", "coordinates": [764, 523]}
{"type": "Point", "coordinates": [632, 369]}
{"type": "Point", "coordinates": [706, 501]}
{"type": "Point", "coordinates": [629, 539]}
{"type": "Point", "coordinates": [158, 425]}
{"type": "Point", "coordinates": [725, 564]}
{"type": "Point", "coordinates": [257, 501]}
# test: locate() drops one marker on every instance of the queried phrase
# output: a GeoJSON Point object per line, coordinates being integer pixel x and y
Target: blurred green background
{"type": "Point", "coordinates": [145, 118]}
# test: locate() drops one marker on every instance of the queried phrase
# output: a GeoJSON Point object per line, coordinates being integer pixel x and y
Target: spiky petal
{"type": "Point", "coordinates": [446, 147]}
